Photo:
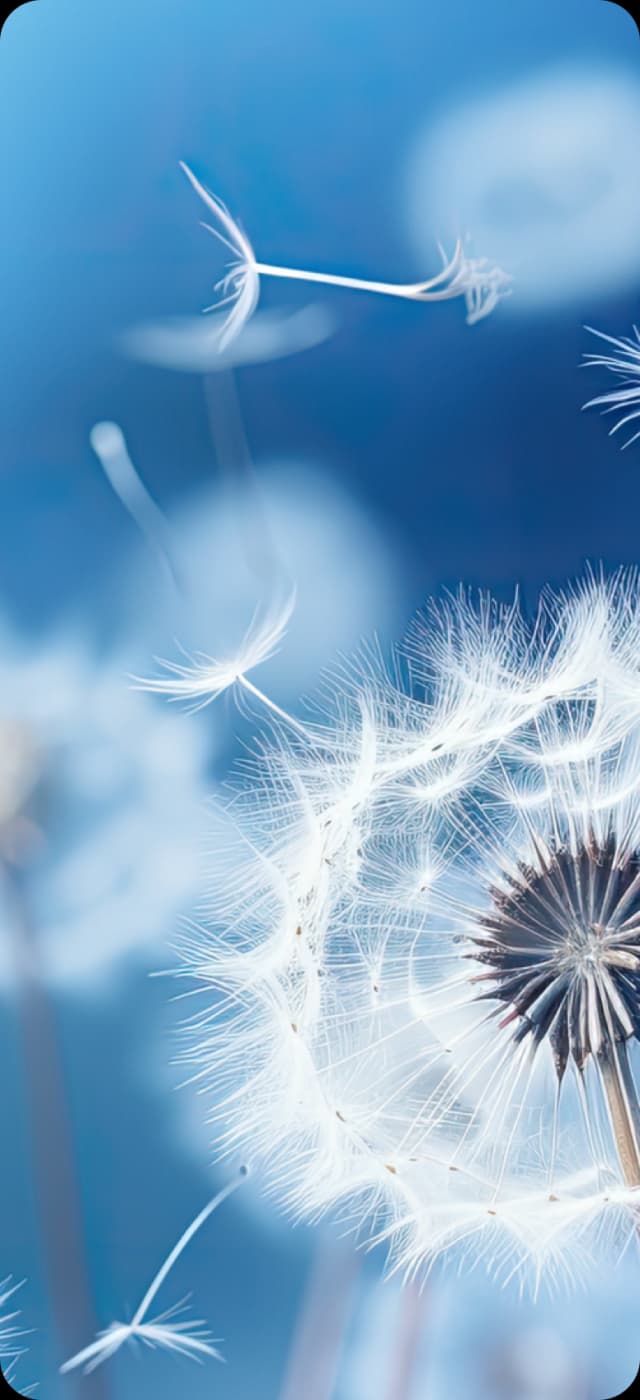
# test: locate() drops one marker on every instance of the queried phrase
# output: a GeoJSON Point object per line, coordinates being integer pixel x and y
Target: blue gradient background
{"type": "Point", "coordinates": [468, 446]}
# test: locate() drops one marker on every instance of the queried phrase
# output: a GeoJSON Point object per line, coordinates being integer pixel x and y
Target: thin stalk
{"type": "Point", "coordinates": [318, 1340]}
{"type": "Point", "coordinates": [111, 450]}
{"type": "Point", "coordinates": [277, 710]}
{"type": "Point", "coordinates": [624, 1110]}
{"type": "Point", "coordinates": [411, 291]}
{"type": "Point", "coordinates": [53, 1158]}
{"type": "Point", "coordinates": [235, 461]}
{"type": "Point", "coordinates": [407, 1349]}
{"type": "Point", "coordinates": [186, 1236]}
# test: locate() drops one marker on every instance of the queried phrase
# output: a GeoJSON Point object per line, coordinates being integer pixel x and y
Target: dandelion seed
{"type": "Point", "coordinates": [169, 1330]}
{"type": "Point", "coordinates": [624, 402]}
{"type": "Point", "coordinates": [481, 284]}
{"type": "Point", "coordinates": [419, 973]}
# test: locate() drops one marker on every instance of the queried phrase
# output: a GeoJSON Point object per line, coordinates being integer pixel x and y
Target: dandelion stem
{"type": "Point", "coordinates": [53, 1158]}
{"type": "Point", "coordinates": [108, 443]}
{"type": "Point", "coordinates": [182, 1243]}
{"type": "Point", "coordinates": [320, 1331]}
{"type": "Point", "coordinates": [410, 291]}
{"type": "Point", "coordinates": [624, 1110]}
{"type": "Point", "coordinates": [275, 709]}
{"type": "Point", "coordinates": [406, 1352]}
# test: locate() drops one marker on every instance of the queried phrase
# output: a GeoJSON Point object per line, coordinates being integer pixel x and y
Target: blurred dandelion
{"type": "Point", "coordinates": [480, 283]}
{"type": "Point", "coordinates": [420, 970]}
{"type": "Point", "coordinates": [169, 1331]}
{"type": "Point", "coordinates": [90, 803]}
{"type": "Point", "coordinates": [537, 169]}
{"type": "Point", "coordinates": [236, 556]}
{"type": "Point", "coordinates": [101, 794]}
{"type": "Point", "coordinates": [624, 363]}
{"type": "Point", "coordinates": [192, 344]}
{"type": "Point", "coordinates": [96, 797]}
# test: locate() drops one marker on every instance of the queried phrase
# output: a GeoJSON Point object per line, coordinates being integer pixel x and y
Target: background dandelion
{"type": "Point", "coordinates": [99, 785]}
{"type": "Point", "coordinates": [533, 169]}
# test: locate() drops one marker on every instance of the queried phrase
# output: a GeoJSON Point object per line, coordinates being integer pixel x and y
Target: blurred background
{"type": "Point", "coordinates": [379, 452]}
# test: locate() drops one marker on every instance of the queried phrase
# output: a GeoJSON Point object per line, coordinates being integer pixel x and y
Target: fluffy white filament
{"type": "Point", "coordinates": [11, 1335]}
{"type": "Point", "coordinates": [343, 1033]}
{"type": "Point", "coordinates": [480, 283]}
{"type": "Point", "coordinates": [200, 679]}
{"type": "Point", "coordinates": [624, 363]}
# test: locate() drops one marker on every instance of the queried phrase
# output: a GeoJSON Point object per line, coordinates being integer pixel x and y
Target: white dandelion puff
{"type": "Point", "coordinates": [624, 363]}
{"type": "Point", "coordinates": [169, 1330]}
{"type": "Point", "coordinates": [480, 283]}
{"type": "Point", "coordinates": [419, 972]}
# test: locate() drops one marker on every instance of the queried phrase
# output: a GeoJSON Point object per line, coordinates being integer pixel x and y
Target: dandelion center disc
{"type": "Point", "coordinates": [563, 944]}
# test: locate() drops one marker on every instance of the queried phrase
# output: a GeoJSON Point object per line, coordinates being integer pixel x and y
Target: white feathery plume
{"type": "Point", "coordinates": [419, 971]}
{"type": "Point", "coordinates": [168, 1330]}
{"type": "Point", "coordinates": [624, 363]}
{"type": "Point", "coordinates": [479, 282]}
{"type": "Point", "coordinates": [201, 679]}
{"type": "Point", "coordinates": [11, 1335]}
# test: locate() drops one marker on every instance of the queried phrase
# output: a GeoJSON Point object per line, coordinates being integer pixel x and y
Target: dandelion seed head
{"type": "Point", "coordinates": [418, 971]}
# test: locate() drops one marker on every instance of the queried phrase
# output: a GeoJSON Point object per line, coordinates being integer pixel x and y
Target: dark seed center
{"type": "Point", "coordinates": [561, 940]}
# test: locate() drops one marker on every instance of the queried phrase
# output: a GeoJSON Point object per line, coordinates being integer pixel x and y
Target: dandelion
{"type": "Point", "coordinates": [169, 1331]}
{"type": "Point", "coordinates": [419, 970]}
{"type": "Point", "coordinates": [538, 169]}
{"type": "Point", "coordinates": [624, 364]}
{"type": "Point", "coordinates": [98, 787]}
{"type": "Point", "coordinates": [481, 284]}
